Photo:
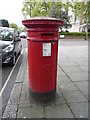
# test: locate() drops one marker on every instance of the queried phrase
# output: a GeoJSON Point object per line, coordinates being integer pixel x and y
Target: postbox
{"type": "Point", "coordinates": [42, 38]}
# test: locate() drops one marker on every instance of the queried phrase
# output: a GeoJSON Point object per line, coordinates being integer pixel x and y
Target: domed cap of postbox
{"type": "Point", "coordinates": [42, 22]}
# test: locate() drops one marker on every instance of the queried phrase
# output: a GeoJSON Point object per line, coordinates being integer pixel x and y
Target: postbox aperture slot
{"type": "Point", "coordinates": [46, 34]}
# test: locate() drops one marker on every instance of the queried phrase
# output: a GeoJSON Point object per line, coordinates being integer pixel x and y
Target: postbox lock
{"type": "Point", "coordinates": [53, 42]}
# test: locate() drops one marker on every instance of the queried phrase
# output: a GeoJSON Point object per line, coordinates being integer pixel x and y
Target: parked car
{"type": "Point", "coordinates": [10, 45]}
{"type": "Point", "coordinates": [23, 35]}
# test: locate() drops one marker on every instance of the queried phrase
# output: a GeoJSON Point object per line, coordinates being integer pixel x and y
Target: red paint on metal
{"type": "Point", "coordinates": [42, 69]}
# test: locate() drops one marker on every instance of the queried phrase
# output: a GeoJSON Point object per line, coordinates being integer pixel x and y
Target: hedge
{"type": "Point", "coordinates": [74, 33]}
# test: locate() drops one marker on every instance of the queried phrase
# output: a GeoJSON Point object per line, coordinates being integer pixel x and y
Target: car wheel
{"type": "Point", "coordinates": [19, 53]}
{"type": "Point", "coordinates": [13, 60]}
{"type": "Point", "coordinates": [20, 50]}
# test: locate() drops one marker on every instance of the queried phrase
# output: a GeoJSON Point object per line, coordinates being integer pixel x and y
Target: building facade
{"type": "Point", "coordinates": [78, 23]}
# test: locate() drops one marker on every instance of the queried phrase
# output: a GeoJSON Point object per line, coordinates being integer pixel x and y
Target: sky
{"type": "Point", "coordinates": [11, 10]}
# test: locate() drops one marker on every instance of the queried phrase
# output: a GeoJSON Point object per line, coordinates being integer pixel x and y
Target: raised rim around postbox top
{"type": "Point", "coordinates": [42, 22]}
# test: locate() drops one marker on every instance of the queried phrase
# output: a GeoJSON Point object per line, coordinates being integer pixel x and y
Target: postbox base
{"type": "Point", "coordinates": [43, 97]}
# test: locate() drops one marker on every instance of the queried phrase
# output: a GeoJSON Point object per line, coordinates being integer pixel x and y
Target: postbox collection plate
{"type": "Point", "coordinates": [46, 49]}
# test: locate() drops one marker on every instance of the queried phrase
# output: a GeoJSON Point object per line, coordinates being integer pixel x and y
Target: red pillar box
{"type": "Point", "coordinates": [42, 37]}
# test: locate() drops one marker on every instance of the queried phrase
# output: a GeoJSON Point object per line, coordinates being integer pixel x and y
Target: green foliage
{"type": "Point", "coordinates": [66, 5]}
{"type": "Point", "coordinates": [56, 11]}
{"type": "Point", "coordinates": [4, 23]}
{"type": "Point", "coordinates": [80, 9]}
{"type": "Point", "coordinates": [50, 9]}
{"type": "Point", "coordinates": [26, 7]}
{"type": "Point", "coordinates": [38, 8]}
{"type": "Point", "coordinates": [13, 25]}
{"type": "Point", "coordinates": [74, 33]}
{"type": "Point", "coordinates": [54, 8]}
{"type": "Point", "coordinates": [41, 9]}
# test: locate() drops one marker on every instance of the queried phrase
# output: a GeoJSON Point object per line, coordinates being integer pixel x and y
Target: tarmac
{"type": "Point", "coordinates": [71, 93]}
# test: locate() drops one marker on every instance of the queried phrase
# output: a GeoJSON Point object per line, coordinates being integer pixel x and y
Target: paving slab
{"type": "Point", "coordinates": [74, 96]}
{"type": "Point", "coordinates": [25, 82]}
{"type": "Point", "coordinates": [68, 63]}
{"type": "Point", "coordinates": [58, 111]}
{"type": "Point", "coordinates": [70, 102]}
{"type": "Point", "coordinates": [25, 91]}
{"type": "Point", "coordinates": [31, 112]}
{"type": "Point", "coordinates": [71, 69]}
{"type": "Point", "coordinates": [60, 73]}
{"type": "Point", "coordinates": [24, 96]}
{"type": "Point", "coordinates": [26, 74]}
{"type": "Point", "coordinates": [25, 104]}
{"type": "Point", "coordinates": [63, 79]}
{"type": "Point", "coordinates": [59, 97]}
{"type": "Point", "coordinates": [84, 68]}
{"type": "Point", "coordinates": [80, 110]}
{"type": "Point", "coordinates": [78, 76]}
{"type": "Point", "coordinates": [80, 62]}
{"type": "Point", "coordinates": [83, 86]}
{"type": "Point", "coordinates": [67, 86]}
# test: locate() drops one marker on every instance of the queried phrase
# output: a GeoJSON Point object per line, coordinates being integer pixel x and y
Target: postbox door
{"type": "Point", "coordinates": [43, 65]}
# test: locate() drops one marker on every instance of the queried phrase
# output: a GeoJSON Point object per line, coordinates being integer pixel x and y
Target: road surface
{"type": "Point", "coordinates": [7, 73]}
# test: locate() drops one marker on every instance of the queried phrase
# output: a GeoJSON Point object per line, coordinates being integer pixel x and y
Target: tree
{"type": "Point", "coordinates": [51, 9]}
{"type": "Point", "coordinates": [81, 10]}
{"type": "Point", "coordinates": [31, 8]}
{"type": "Point", "coordinates": [13, 25]}
{"type": "Point", "coordinates": [56, 11]}
{"type": "Point", "coordinates": [41, 9]}
{"type": "Point", "coordinates": [89, 16]}
{"type": "Point", "coordinates": [4, 23]}
{"type": "Point", "coordinates": [28, 6]}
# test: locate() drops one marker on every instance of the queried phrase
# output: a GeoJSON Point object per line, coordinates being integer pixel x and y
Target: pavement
{"type": "Point", "coordinates": [72, 88]}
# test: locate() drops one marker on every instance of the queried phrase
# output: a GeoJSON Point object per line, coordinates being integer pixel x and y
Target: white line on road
{"type": "Point", "coordinates": [9, 76]}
